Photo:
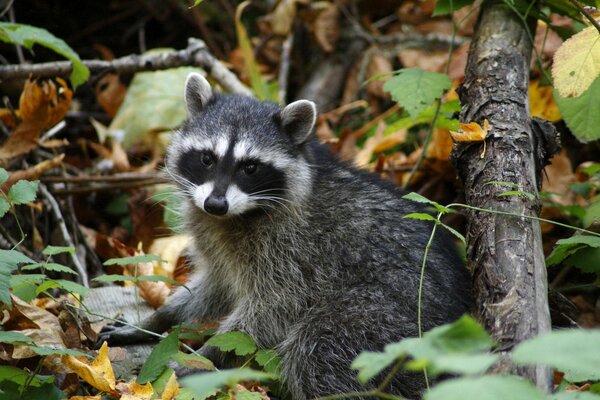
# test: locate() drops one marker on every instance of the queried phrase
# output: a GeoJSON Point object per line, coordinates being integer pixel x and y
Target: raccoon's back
{"type": "Point", "coordinates": [357, 225]}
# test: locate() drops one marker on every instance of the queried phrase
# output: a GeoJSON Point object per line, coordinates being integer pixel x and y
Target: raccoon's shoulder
{"type": "Point", "coordinates": [341, 179]}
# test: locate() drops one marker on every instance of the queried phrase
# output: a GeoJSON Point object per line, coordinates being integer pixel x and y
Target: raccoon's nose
{"type": "Point", "coordinates": [216, 205]}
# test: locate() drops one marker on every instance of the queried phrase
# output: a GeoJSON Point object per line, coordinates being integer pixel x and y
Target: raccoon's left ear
{"type": "Point", "coordinates": [298, 120]}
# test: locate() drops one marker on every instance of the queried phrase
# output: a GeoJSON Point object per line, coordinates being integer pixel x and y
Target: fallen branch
{"type": "Point", "coordinates": [195, 54]}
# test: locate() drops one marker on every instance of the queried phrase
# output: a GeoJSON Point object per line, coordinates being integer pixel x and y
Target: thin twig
{"type": "Point", "coordinates": [65, 234]}
{"type": "Point", "coordinates": [195, 54]}
{"type": "Point", "coordinates": [586, 14]}
{"type": "Point", "coordinates": [127, 176]}
{"type": "Point", "coordinates": [111, 186]}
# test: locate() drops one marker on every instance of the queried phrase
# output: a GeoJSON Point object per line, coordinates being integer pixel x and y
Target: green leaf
{"type": "Point", "coordinates": [421, 217]}
{"type": "Point", "coordinates": [455, 233]}
{"type": "Point", "coordinates": [369, 363]}
{"type": "Point", "coordinates": [464, 364]}
{"type": "Point", "coordinates": [27, 36]}
{"type": "Point", "coordinates": [269, 360]}
{"type": "Point", "coordinates": [14, 257]}
{"type": "Point", "coordinates": [208, 383]}
{"type": "Point", "coordinates": [133, 260]}
{"type": "Point", "coordinates": [6, 271]}
{"type": "Point", "coordinates": [50, 267]}
{"type": "Point", "coordinates": [517, 193]}
{"type": "Point", "coordinates": [14, 337]}
{"type": "Point", "coordinates": [566, 247]}
{"type": "Point", "coordinates": [153, 103]}
{"type": "Point", "coordinates": [575, 352]}
{"type": "Point", "coordinates": [3, 176]}
{"type": "Point", "coordinates": [4, 206]}
{"type": "Point", "coordinates": [239, 342]}
{"type": "Point", "coordinates": [73, 287]}
{"type": "Point", "coordinates": [581, 113]}
{"type": "Point", "coordinates": [54, 250]}
{"type": "Point", "coordinates": [156, 362]}
{"type": "Point", "coordinates": [490, 387]}
{"type": "Point", "coordinates": [193, 361]}
{"type": "Point", "coordinates": [444, 7]}
{"type": "Point", "coordinates": [415, 89]}
{"type": "Point", "coordinates": [586, 259]}
{"type": "Point", "coordinates": [257, 81]}
{"type": "Point", "coordinates": [418, 198]}
{"type": "Point", "coordinates": [23, 192]}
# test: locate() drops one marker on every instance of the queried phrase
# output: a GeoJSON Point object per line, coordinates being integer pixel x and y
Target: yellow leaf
{"type": "Point", "coordinates": [471, 132]}
{"type": "Point", "coordinates": [134, 391]}
{"type": "Point", "coordinates": [99, 373]}
{"type": "Point", "coordinates": [541, 102]}
{"type": "Point", "coordinates": [577, 63]}
{"type": "Point", "coordinates": [96, 397]}
{"type": "Point", "coordinates": [171, 389]}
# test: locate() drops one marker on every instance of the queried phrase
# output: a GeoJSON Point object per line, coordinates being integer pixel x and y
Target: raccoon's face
{"type": "Point", "coordinates": [236, 155]}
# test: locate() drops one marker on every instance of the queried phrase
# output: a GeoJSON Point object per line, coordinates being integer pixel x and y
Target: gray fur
{"type": "Point", "coordinates": [327, 271]}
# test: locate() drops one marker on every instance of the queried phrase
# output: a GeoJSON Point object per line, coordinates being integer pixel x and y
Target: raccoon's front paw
{"type": "Point", "coordinates": [122, 335]}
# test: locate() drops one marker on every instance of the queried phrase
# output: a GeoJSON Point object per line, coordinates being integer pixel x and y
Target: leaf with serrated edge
{"type": "Point", "coordinates": [493, 386]}
{"type": "Point", "coordinates": [240, 342]}
{"type": "Point", "coordinates": [54, 250]}
{"type": "Point", "coordinates": [577, 63]}
{"type": "Point", "coordinates": [208, 383]}
{"type": "Point", "coordinates": [23, 192]}
{"type": "Point", "coordinates": [4, 206]}
{"type": "Point", "coordinates": [132, 259]}
{"type": "Point", "coordinates": [415, 89]}
{"type": "Point", "coordinates": [157, 360]}
{"type": "Point", "coordinates": [574, 351]}
{"type": "Point", "coordinates": [581, 113]}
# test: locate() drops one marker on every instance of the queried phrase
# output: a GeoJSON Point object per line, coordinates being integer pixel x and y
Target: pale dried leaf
{"type": "Point", "coordinates": [327, 28]}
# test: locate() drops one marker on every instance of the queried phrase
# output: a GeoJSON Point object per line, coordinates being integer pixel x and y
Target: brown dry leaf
{"type": "Point", "coordinates": [99, 373]}
{"type": "Point", "coordinates": [441, 145]}
{"type": "Point", "coordinates": [558, 177]}
{"type": "Point", "coordinates": [171, 388]}
{"type": "Point", "coordinates": [8, 117]}
{"type": "Point", "coordinates": [458, 63]}
{"type": "Point", "coordinates": [378, 143]}
{"type": "Point", "coordinates": [471, 132]}
{"type": "Point", "coordinates": [32, 173]}
{"type": "Point", "coordinates": [541, 102]}
{"type": "Point", "coordinates": [169, 249]}
{"type": "Point", "coordinates": [433, 60]}
{"type": "Point", "coordinates": [133, 391]}
{"type": "Point", "coordinates": [379, 65]}
{"type": "Point", "coordinates": [154, 293]}
{"type": "Point", "coordinates": [283, 16]}
{"type": "Point", "coordinates": [116, 154]}
{"type": "Point", "coordinates": [327, 28]}
{"type": "Point", "coordinates": [96, 397]}
{"type": "Point", "coordinates": [253, 387]}
{"type": "Point", "coordinates": [41, 106]}
{"type": "Point", "coordinates": [110, 92]}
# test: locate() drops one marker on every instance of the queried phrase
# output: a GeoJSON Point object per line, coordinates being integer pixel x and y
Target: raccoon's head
{"type": "Point", "coordinates": [236, 155]}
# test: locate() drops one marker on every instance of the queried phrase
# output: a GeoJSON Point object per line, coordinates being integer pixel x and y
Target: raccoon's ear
{"type": "Point", "coordinates": [298, 120]}
{"type": "Point", "coordinates": [197, 93]}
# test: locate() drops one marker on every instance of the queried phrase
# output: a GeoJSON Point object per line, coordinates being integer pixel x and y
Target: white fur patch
{"type": "Point", "coordinates": [239, 202]}
{"type": "Point", "coordinates": [244, 150]}
{"type": "Point", "coordinates": [221, 146]}
{"type": "Point", "coordinates": [201, 193]}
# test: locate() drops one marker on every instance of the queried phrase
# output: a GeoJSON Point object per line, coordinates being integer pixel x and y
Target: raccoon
{"type": "Point", "coordinates": [304, 253]}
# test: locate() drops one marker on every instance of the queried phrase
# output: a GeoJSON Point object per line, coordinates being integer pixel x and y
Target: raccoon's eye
{"type": "Point", "coordinates": [206, 159]}
{"type": "Point", "coordinates": [250, 168]}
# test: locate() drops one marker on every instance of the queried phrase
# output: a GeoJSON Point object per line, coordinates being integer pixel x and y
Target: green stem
{"type": "Point", "coordinates": [459, 205]}
{"type": "Point", "coordinates": [586, 14]}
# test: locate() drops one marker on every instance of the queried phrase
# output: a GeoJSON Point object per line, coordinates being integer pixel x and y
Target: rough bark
{"type": "Point", "coordinates": [505, 253]}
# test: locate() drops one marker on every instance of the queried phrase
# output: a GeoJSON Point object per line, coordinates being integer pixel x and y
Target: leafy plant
{"type": "Point", "coordinates": [27, 36]}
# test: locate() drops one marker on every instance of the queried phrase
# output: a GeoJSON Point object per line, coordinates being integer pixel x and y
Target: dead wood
{"type": "Point", "coordinates": [505, 253]}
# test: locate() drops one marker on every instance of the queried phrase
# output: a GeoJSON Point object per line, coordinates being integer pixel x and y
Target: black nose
{"type": "Point", "coordinates": [216, 205]}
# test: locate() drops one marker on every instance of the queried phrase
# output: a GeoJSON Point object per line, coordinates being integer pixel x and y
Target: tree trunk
{"type": "Point", "coordinates": [505, 253]}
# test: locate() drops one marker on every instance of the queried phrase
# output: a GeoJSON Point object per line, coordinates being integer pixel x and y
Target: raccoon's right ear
{"type": "Point", "coordinates": [197, 93]}
{"type": "Point", "coordinates": [298, 120]}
